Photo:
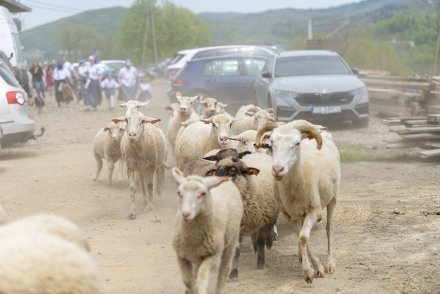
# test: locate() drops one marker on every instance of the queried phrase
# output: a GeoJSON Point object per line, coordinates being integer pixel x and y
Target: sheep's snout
{"type": "Point", "coordinates": [186, 214]}
{"type": "Point", "coordinates": [183, 108]}
{"type": "Point", "coordinates": [278, 170]}
{"type": "Point", "coordinates": [223, 141]}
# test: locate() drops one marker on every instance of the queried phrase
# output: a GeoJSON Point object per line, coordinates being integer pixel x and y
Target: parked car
{"type": "Point", "coordinates": [182, 57]}
{"type": "Point", "coordinates": [15, 125]}
{"type": "Point", "coordinates": [230, 78]}
{"type": "Point", "coordinates": [312, 85]}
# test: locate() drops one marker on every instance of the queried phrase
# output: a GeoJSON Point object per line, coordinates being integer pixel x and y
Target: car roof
{"type": "Point", "coordinates": [237, 55]}
{"type": "Point", "coordinates": [307, 53]}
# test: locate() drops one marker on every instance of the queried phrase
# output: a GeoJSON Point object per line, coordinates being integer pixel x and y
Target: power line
{"type": "Point", "coordinates": [42, 5]}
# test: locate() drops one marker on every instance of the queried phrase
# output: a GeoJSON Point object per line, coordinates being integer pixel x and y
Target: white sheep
{"type": "Point", "coordinates": [206, 231]}
{"type": "Point", "coordinates": [197, 138]}
{"type": "Point", "coordinates": [107, 145]}
{"type": "Point", "coordinates": [40, 263]}
{"type": "Point", "coordinates": [182, 112]}
{"type": "Point", "coordinates": [252, 117]}
{"type": "Point", "coordinates": [308, 176]}
{"type": "Point", "coordinates": [144, 150]}
{"type": "Point", "coordinates": [47, 224]}
{"type": "Point", "coordinates": [252, 175]}
{"type": "Point", "coordinates": [133, 106]}
{"type": "Point", "coordinates": [212, 107]}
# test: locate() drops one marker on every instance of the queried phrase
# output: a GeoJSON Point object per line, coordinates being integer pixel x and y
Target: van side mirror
{"type": "Point", "coordinates": [266, 74]}
{"type": "Point", "coordinates": [355, 70]}
{"type": "Point", "coordinates": [10, 56]}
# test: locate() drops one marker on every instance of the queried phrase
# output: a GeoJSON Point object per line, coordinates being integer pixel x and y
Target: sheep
{"type": "Point", "coordinates": [245, 141]}
{"type": "Point", "coordinates": [207, 230]}
{"type": "Point", "coordinates": [184, 112]}
{"type": "Point", "coordinates": [212, 107]}
{"type": "Point", "coordinates": [35, 262]}
{"type": "Point", "coordinates": [307, 177]}
{"type": "Point", "coordinates": [47, 224]}
{"type": "Point", "coordinates": [107, 145]}
{"type": "Point", "coordinates": [251, 117]}
{"type": "Point", "coordinates": [252, 175]}
{"type": "Point", "coordinates": [133, 106]}
{"type": "Point", "coordinates": [144, 150]}
{"type": "Point", "coordinates": [199, 137]}
{"type": "Point", "coordinates": [197, 167]}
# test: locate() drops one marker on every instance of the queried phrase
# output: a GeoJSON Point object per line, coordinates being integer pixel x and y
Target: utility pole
{"type": "Point", "coordinates": [153, 24]}
{"type": "Point", "coordinates": [144, 43]}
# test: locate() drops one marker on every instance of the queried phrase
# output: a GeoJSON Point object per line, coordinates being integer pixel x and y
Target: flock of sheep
{"type": "Point", "coordinates": [234, 175]}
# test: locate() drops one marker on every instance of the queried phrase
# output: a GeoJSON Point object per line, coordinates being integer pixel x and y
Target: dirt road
{"type": "Point", "coordinates": [387, 222]}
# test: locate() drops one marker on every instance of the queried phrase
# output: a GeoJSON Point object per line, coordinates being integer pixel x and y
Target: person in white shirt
{"type": "Point", "coordinates": [127, 79]}
{"type": "Point", "coordinates": [92, 84]}
{"type": "Point", "coordinates": [60, 75]}
{"type": "Point", "coordinates": [109, 85]}
{"type": "Point", "coordinates": [146, 91]}
{"type": "Point", "coordinates": [83, 72]}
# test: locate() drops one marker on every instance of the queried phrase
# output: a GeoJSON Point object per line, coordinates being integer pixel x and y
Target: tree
{"type": "Point", "coordinates": [176, 29]}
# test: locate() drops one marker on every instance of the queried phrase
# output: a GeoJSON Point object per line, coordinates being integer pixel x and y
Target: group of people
{"type": "Point", "coordinates": [61, 78]}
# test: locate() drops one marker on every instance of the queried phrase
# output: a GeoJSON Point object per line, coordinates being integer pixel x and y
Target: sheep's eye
{"type": "Point", "coordinates": [214, 125]}
{"type": "Point", "coordinates": [203, 194]}
{"type": "Point", "coordinates": [297, 144]}
{"type": "Point", "coordinates": [179, 194]}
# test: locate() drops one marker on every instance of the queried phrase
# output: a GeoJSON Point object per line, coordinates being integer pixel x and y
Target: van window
{"type": "Point", "coordinates": [253, 66]}
{"type": "Point", "coordinates": [225, 67]}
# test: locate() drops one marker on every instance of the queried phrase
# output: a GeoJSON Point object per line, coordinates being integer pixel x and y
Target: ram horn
{"type": "Point", "coordinates": [309, 129]}
{"type": "Point", "coordinates": [266, 128]}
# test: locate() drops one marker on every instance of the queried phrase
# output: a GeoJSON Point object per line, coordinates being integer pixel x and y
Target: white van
{"type": "Point", "coordinates": [10, 42]}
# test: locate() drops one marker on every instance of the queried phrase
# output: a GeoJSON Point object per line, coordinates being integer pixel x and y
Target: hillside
{"type": "Point", "coordinates": [46, 37]}
{"type": "Point", "coordinates": [281, 26]}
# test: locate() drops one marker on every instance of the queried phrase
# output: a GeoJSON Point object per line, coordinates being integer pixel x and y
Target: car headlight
{"type": "Point", "coordinates": [360, 95]}
{"type": "Point", "coordinates": [285, 94]}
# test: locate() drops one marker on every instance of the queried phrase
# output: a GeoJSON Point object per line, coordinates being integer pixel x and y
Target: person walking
{"type": "Point", "coordinates": [49, 77]}
{"type": "Point", "coordinates": [36, 71]}
{"type": "Point", "coordinates": [146, 91]}
{"type": "Point", "coordinates": [109, 85]}
{"type": "Point", "coordinates": [60, 76]}
{"type": "Point", "coordinates": [83, 72]}
{"type": "Point", "coordinates": [92, 84]}
{"type": "Point", "coordinates": [127, 79]}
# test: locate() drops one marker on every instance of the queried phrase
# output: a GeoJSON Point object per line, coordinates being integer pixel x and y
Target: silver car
{"type": "Point", "coordinates": [314, 85]}
{"type": "Point", "coordinates": [15, 125]}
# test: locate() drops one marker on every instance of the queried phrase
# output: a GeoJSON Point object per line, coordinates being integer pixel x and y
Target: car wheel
{"type": "Point", "coordinates": [361, 122]}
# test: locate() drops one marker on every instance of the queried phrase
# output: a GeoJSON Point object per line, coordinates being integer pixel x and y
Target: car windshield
{"type": "Point", "coordinates": [310, 65]}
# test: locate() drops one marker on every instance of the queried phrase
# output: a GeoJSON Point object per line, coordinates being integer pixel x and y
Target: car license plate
{"type": "Point", "coordinates": [326, 109]}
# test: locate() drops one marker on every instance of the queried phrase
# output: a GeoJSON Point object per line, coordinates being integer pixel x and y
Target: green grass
{"type": "Point", "coordinates": [357, 153]}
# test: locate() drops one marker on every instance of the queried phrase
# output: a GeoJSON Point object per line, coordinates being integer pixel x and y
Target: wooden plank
{"type": "Point", "coordinates": [402, 145]}
{"type": "Point", "coordinates": [420, 137]}
{"type": "Point", "coordinates": [433, 145]}
{"type": "Point", "coordinates": [429, 153]}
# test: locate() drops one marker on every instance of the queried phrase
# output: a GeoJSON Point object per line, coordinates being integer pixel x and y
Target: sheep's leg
{"type": "Point", "coordinates": [132, 178]}
{"type": "Point", "coordinates": [234, 272]}
{"type": "Point", "coordinates": [316, 263]}
{"type": "Point", "coordinates": [261, 243]}
{"type": "Point", "coordinates": [225, 267]}
{"type": "Point", "coordinates": [304, 236]}
{"type": "Point", "coordinates": [330, 266]}
{"type": "Point", "coordinates": [99, 166]}
{"type": "Point", "coordinates": [111, 168]}
{"type": "Point", "coordinates": [296, 225]}
{"type": "Point", "coordinates": [150, 201]}
{"type": "Point", "coordinates": [203, 275]}
{"type": "Point", "coordinates": [121, 169]}
{"type": "Point", "coordinates": [187, 277]}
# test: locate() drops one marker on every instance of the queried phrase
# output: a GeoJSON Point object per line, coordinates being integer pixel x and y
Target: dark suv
{"type": "Point", "coordinates": [230, 79]}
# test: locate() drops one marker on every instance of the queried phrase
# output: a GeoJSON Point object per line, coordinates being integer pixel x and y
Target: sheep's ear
{"type": "Point", "coordinates": [222, 105]}
{"type": "Point", "coordinates": [240, 155]}
{"type": "Point", "coordinates": [211, 158]}
{"type": "Point", "coordinates": [252, 171]}
{"type": "Point", "coordinates": [168, 108]}
{"type": "Point", "coordinates": [251, 111]}
{"type": "Point", "coordinates": [119, 119]}
{"type": "Point", "coordinates": [178, 95]}
{"type": "Point", "coordinates": [195, 98]}
{"type": "Point", "coordinates": [143, 104]}
{"type": "Point", "coordinates": [178, 175]}
{"type": "Point", "coordinates": [206, 121]}
{"type": "Point", "coordinates": [211, 172]}
{"type": "Point", "coordinates": [123, 104]}
{"type": "Point", "coordinates": [106, 129]}
{"type": "Point", "coordinates": [150, 120]}
{"type": "Point", "coordinates": [212, 182]}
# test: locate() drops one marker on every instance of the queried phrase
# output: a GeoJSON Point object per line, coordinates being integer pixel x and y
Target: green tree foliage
{"type": "Point", "coordinates": [176, 28]}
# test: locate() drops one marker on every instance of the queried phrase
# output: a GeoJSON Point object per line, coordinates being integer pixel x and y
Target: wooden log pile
{"type": "Point", "coordinates": [416, 131]}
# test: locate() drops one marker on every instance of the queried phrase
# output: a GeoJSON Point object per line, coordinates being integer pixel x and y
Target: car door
{"type": "Point", "coordinates": [262, 83]}
{"type": "Point", "coordinates": [251, 67]}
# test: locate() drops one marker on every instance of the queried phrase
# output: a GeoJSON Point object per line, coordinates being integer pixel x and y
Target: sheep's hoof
{"type": "Point", "coordinates": [94, 179]}
{"type": "Point", "coordinates": [260, 263]}
{"type": "Point", "coordinates": [150, 206]}
{"type": "Point", "coordinates": [330, 266]}
{"type": "Point", "coordinates": [131, 215]}
{"type": "Point", "coordinates": [234, 274]}
{"type": "Point", "coordinates": [308, 275]}
{"type": "Point", "coordinates": [319, 272]}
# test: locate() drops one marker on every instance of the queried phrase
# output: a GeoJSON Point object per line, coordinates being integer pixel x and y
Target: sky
{"type": "Point", "coordinates": [44, 11]}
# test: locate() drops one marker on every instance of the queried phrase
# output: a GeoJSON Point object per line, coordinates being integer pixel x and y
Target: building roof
{"type": "Point", "coordinates": [14, 6]}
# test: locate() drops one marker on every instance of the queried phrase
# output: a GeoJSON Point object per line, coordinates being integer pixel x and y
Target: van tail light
{"type": "Point", "coordinates": [178, 83]}
{"type": "Point", "coordinates": [15, 97]}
